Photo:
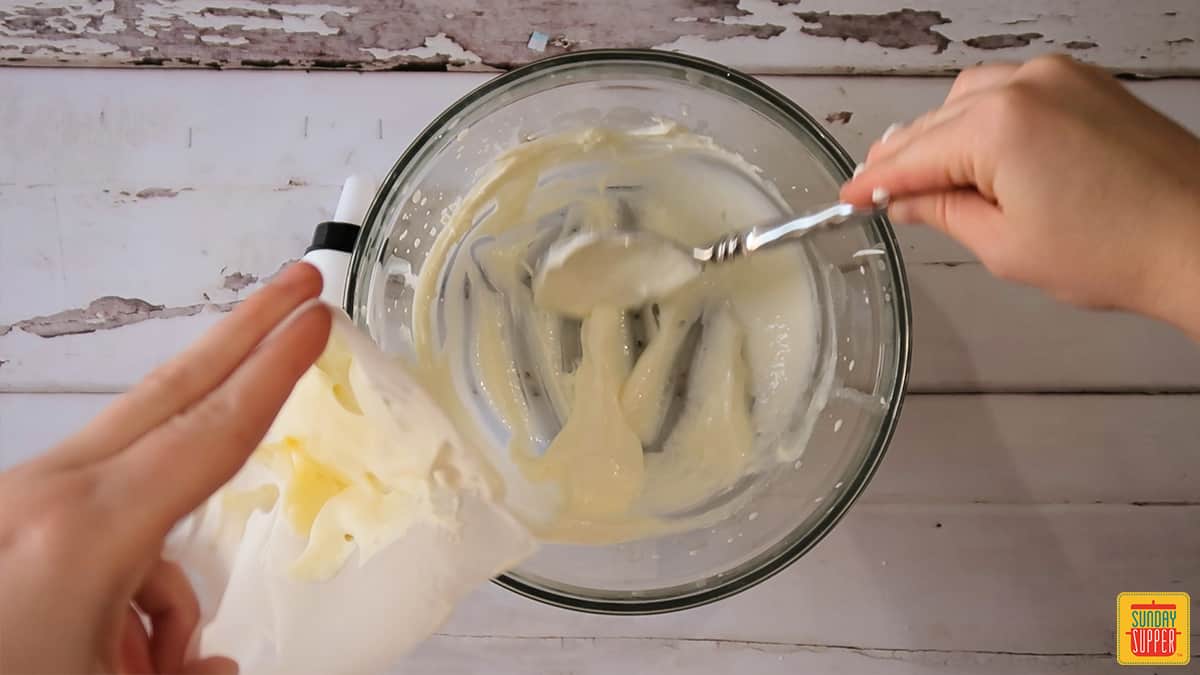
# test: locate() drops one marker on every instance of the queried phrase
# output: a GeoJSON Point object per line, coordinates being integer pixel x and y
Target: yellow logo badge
{"type": "Point", "coordinates": [1154, 629]}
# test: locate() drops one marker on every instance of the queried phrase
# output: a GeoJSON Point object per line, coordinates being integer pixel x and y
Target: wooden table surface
{"type": "Point", "coordinates": [1047, 457]}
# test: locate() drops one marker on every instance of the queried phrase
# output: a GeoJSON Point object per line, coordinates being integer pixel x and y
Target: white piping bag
{"type": "Point", "coordinates": [349, 536]}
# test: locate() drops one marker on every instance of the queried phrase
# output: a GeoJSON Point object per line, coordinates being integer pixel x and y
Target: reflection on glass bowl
{"type": "Point", "coordinates": [775, 513]}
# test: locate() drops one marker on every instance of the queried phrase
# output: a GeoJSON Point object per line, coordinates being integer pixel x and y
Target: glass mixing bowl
{"type": "Point", "coordinates": [861, 288]}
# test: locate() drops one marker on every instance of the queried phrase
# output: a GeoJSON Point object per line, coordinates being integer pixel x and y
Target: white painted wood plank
{"type": "Point", "coordinates": [129, 130]}
{"type": "Point", "coordinates": [990, 578]}
{"type": "Point", "coordinates": [120, 205]}
{"type": "Point", "coordinates": [775, 36]}
{"type": "Point", "coordinates": [963, 587]}
{"type": "Point", "coordinates": [1013, 562]}
{"type": "Point", "coordinates": [31, 423]}
{"type": "Point", "coordinates": [1047, 449]}
{"type": "Point", "coordinates": [451, 655]}
{"type": "Point", "coordinates": [948, 449]}
{"type": "Point", "coordinates": [70, 244]}
{"type": "Point", "coordinates": [971, 333]}
{"type": "Point", "coordinates": [105, 361]}
{"type": "Point", "coordinates": [872, 36]}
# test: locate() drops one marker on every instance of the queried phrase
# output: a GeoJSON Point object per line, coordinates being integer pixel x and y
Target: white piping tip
{"type": "Point", "coordinates": [357, 193]}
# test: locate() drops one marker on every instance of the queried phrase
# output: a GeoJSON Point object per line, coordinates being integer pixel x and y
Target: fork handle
{"type": "Point", "coordinates": [749, 241]}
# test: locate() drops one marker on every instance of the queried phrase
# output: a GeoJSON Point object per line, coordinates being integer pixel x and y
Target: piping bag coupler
{"type": "Point", "coordinates": [333, 241]}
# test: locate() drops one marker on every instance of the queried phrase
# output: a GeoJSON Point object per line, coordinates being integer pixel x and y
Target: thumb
{"type": "Point", "coordinates": [963, 214]}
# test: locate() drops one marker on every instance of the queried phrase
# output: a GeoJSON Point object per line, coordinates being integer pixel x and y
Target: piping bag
{"type": "Point", "coordinates": [362, 518]}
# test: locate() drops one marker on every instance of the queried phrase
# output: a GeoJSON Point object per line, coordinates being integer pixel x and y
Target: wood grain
{"type": "Point", "coordinates": [458, 655]}
{"type": "Point", "coordinates": [1042, 449]}
{"type": "Point", "coordinates": [122, 133]}
{"type": "Point", "coordinates": [1020, 579]}
{"type": "Point", "coordinates": [116, 192]}
{"type": "Point", "coordinates": [999, 528]}
{"type": "Point", "coordinates": [971, 333]}
{"type": "Point", "coordinates": [919, 577]}
{"type": "Point", "coordinates": [949, 449]}
{"type": "Point", "coordinates": [981, 585]}
{"type": "Point", "coordinates": [1153, 37]}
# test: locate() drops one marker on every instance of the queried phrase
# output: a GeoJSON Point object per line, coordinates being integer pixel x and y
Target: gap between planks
{"type": "Point", "coordinates": [882, 652]}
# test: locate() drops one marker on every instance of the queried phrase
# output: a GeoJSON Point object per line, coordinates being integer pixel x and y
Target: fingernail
{"type": "Point", "coordinates": [880, 196]}
{"type": "Point", "coordinates": [293, 272]}
{"type": "Point", "coordinates": [887, 133]}
{"type": "Point", "coordinates": [859, 169]}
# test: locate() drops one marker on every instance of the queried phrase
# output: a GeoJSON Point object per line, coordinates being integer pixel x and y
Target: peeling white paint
{"type": "Point", "coordinates": [110, 25]}
{"type": "Point", "coordinates": [759, 12]}
{"type": "Point", "coordinates": [380, 54]}
{"type": "Point", "coordinates": [76, 18]}
{"type": "Point", "coordinates": [300, 18]}
{"type": "Point", "coordinates": [442, 45]}
{"type": "Point", "coordinates": [1151, 38]}
{"type": "Point", "coordinates": [1136, 43]}
{"type": "Point", "coordinates": [223, 40]}
{"type": "Point", "coordinates": [435, 46]}
{"type": "Point", "coordinates": [17, 45]}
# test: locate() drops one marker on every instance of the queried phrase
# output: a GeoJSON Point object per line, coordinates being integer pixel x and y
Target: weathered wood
{"type": "Point", "coordinates": [141, 131]}
{"type": "Point", "coordinates": [1153, 37]}
{"type": "Point", "coordinates": [124, 207]}
{"type": "Point", "coordinates": [972, 333]}
{"type": "Point", "coordinates": [983, 582]}
{"type": "Point", "coordinates": [455, 655]}
{"type": "Point", "coordinates": [1044, 449]}
{"type": "Point", "coordinates": [30, 423]}
{"type": "Point", "coordinates": [991, 578]}
{"type": "Point", "coordinates": [114, 184]}
{"type": "Point", "coordinates": [948, 449]}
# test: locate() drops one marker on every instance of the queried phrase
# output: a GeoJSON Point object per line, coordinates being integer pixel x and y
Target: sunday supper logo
{"type": "Point", "coordinates": [1153, 629]}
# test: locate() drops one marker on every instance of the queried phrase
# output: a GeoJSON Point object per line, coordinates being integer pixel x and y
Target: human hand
{"type": "Point", "coordinates": [82, 526]}
{"type": "Point", "coordinates": [1054, 175]}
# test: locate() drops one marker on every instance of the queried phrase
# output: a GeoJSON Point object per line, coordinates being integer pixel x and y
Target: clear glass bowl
{"type": "Point", "coordinates": [864, 298]}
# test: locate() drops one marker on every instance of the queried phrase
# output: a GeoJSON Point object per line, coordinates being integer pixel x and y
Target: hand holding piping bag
{"type": "Point", "coordinates": [82, 526]}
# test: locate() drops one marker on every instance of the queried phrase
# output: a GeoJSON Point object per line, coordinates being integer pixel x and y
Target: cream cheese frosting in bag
{"type": "Point", "coordinates": [354, 528]}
